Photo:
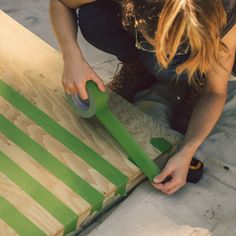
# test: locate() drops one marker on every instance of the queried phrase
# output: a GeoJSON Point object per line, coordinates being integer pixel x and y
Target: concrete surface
{"type": "Point", "coordinates": [204, 209]}
{"type": "Point", "coordinates": [207, 208]}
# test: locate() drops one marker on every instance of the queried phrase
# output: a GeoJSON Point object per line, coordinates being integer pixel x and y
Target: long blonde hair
{"type": "Point", "coordinates": [199, 22]}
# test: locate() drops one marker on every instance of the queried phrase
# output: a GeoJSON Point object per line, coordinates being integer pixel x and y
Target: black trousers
{"type": "Point", "coordinates": [100, 24]}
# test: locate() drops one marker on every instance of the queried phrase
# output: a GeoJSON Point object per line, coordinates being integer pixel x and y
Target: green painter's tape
{"type": "Point", "coordinates": [40, 194]}
{"type": "Point", "coordinates": [133, 149]}
{"type": "Point", "coordinates": [98, 105]}
{"type": "Point", "coordinates": [17, 221]}
{"type": "Point", "coordinates": [65, 137]}
{"type": "Point", "coordinates": [161, 144]}
{"type": "Point", "coordinates": [48, 161]}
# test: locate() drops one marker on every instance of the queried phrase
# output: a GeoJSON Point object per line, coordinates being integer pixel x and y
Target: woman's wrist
{"type": "Point", "coordinates": [188, 150]}
{"type": "Point", "coordinates": [72, 53]}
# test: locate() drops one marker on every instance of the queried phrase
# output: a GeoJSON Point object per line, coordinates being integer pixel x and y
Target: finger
{"type": "Point", "coordinates": [158, 186]}
{"type": "Point", "coordinates": [99, 83]}
{"type": "Point", "coordinates": [168, 186]}
{"type": "Point", "coordinates": [162, 188]}
{"type": "Point", "coordinates": [82, 91]}
{"type": "Point", "coordinates": [66, 90]}
{"type": "Point", "coordinates": [71, 89]}
{"type": "Point", "coordinates": [161, 177]}
{"type": "Point", "coordinates": [173, 190]}
{"type": "Point", "coordinates": [172, 184]}
{"type": "Point", "coordinates": [64, 83]}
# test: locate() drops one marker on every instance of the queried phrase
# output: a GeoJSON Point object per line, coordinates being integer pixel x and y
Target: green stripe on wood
{"type": "Point", "coordinates": [129, 144]}
{"type": "Point", "coordinates": [161, 144]}
{"type": "Point", "coordinates": [40, 194]}
{"type": "Point", "coordinates": [65, 137]}
{"type": "Point", "coordinates": [48, 161]}
{"type": "Point", "coordinates": [17, 221]}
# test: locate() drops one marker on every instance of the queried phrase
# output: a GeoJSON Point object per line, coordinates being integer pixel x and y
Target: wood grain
{"type": "Point", "coordinates": [34, 69]}
{"type": "Point", "coordinates": [45, 178]}
{"type": "Point", "coordinates": [28, 207]}
{"type": "Point", "coordinates": [58, 150]}
{"type": "Point", "coordinates": [6, 230]}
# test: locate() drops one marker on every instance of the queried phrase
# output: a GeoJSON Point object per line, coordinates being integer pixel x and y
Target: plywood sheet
{"type": "Point", "coordinates": [38, 165]}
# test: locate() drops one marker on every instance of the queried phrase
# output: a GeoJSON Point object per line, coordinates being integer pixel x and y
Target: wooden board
{"type": "Point", "coordinates": [31, 67]}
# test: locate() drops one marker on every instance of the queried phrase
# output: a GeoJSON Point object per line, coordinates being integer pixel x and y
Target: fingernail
{"type": "Point", "coordinates": [156, 180]}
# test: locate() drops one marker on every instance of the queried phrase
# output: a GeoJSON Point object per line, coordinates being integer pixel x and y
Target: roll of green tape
{"type": "Point", "coordinates": [97, 105]}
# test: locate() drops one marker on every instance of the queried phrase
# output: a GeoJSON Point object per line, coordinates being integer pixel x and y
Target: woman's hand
{"type": "Point", "coordinates": [76, 70]}
{"type": "Point", "coordinates": [177, 168]}
{"type": "Point", "coordinates": [75, 76]}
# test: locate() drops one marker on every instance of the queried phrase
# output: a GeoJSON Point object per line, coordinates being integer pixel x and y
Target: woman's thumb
{"type": "Point", "coordinates": [162, 176]}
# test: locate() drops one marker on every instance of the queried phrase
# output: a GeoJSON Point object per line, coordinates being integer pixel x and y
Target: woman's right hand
{"type": "Point", "coordinates": [75, 76]}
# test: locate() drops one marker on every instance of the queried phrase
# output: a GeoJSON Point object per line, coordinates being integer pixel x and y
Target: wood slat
{"type": "Point", "coordinates": [6, 230]}
{"type": "Point", "coordinates": [28, 207]}
{"type": "Point", "coordinates": [45, 178]}
{"type": "Point", "coordinates": [34, 69]}
{"type": "Point", "coordinates": [58, 150]}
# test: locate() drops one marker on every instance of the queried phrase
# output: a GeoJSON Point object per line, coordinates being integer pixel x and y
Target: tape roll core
{"type": "Point", "coordinates": [82, 104]}
{"type": "Point", "coordinates": [97, 101]}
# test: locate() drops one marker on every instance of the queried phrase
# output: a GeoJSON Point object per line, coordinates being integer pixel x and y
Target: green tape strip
{"type": "Point", "coordinates": [98, 105]}
{"type": "Point", "coordinates": [161, 144]}
{"type": "Point", "coordinates": [65, 137]}
{"type": "Point", "coordinates": [40, 194]}
{"type": "Point", "coordinates": [17, 221]}
{"type": "Point", "coordinates": [133, 149]}
{"type": "Point", "coordinates": [48, 161]}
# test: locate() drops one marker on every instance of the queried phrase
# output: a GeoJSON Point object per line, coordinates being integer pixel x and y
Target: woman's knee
{"type": "Point", "coordinates": [96, 20]}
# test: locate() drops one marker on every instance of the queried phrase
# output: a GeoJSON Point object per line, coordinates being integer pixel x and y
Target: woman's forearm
{"type": "Point", "coordinates": [65, 26]}
{"type": "Point", "coordinates": [76, 71]}
{"type": "Point", "coordinates": [204, 117]}
{"type": "Point", "coordinates": [211, 103]}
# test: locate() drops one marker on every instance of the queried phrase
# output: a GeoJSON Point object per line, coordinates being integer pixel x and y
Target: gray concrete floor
{"type": "Point", "coordinates": [203, 209]}
{"type": "Point", "coordinates": [33, 14]}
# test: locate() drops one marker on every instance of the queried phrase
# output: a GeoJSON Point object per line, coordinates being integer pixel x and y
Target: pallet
{"type": "Point", "coordinates": [48, 186]}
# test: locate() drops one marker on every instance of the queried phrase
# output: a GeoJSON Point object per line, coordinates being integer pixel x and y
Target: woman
{"type": "Point", "coordinates": [188, 45]}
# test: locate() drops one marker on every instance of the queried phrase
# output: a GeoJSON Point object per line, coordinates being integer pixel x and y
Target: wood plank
{"type": "Point", "coordinates": [38, 77]}
{"type": "Point", "coordinates": [28, 207]}
{"type": "Point", "coordinates": [45, 178]}
{"type": "Point", "coordinates": [58, 150]}
{"type": "Point", "coordinates": [34, 69]}
{"type": "Point", "coordinates": [6, 230]}
{"type": "Point", "coordinates": [54, 105]}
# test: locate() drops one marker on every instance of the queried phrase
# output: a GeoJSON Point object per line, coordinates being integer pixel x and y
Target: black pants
{"type": "Point", "coordinates": [100, 24]}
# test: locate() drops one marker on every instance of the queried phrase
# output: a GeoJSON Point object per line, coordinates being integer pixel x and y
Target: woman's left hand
{"type": "Point", "coordinates": [177, 168]}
